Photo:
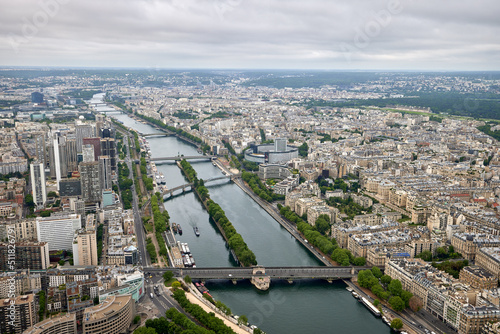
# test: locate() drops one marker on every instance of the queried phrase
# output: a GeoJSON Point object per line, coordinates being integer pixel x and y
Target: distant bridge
{"type": "Point", "coordinates": [184, 157]}
{"type": "Point", "coordinates": [261, 276]}
{"type": "Point", "coordinates": [189, 186]}
{"type": "Point", "coordinates": [157, 134]}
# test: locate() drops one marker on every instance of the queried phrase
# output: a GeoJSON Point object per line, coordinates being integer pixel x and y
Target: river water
{"type": "Point", "coordinates": [308, 306]}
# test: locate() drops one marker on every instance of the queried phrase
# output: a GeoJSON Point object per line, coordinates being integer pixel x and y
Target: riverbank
{"type": "Point", "coordinates": [208, 307]}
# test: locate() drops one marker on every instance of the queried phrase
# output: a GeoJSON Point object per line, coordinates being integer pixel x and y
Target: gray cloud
{"type": "Point", "coordinates": [450, 34]}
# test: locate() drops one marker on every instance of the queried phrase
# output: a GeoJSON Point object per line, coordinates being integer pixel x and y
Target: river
{"type": "Point", "coordinates": [308, 306]}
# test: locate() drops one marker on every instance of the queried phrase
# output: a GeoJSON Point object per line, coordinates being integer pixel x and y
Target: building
{"type": "Point", "coordinates": [36, 97]}
{"type": "Point", "coordinates": [96, 143]}
{"type": "Point", "coordinates": [61, 324]}
{"type": "Point", "coordinates": [488, 258]}
{"type": "Point", "coordinates": [314, 212]}
{"type": "Point", "coordinates": [268, 154]}
{"type": "Point", "coordinates": [37, 176]}
{"type": "Point", "coordinates": [28, 255]}
{"type": "Point", "coordinates": [468, 243]}
{"type": "Point", "coordinates": [105, 172]}
{"type": "Point", "coordinates": [112, 316]}
{"type": "Point", "coordinates": [70, 187]}
{"type": "Point", "coordinates": [25, 229]}
{"type": "Point", "coordinates": [17, 314]}
{"type": "Point", "coordinates": [270, 171]}
{"type": "Point", "coordinates": [65, 225]}
{"type": "Point", "coordinates": [85, 244]}
{"type": "Point", "coordinates": [88, 153]}
{"type": "Point", "coordinates": [108, 147]}
{"type": "Point", "coordinates": [90, 179]}
{"type": "Point", "coordinates": [478, 278]}
{"type": "Point", "coordinates": [82, 131]}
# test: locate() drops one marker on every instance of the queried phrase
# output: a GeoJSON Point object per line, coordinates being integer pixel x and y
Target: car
{"type": "Point", "coordinates": [230, 275]}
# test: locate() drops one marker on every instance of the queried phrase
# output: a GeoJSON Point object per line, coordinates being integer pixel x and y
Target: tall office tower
{"type": "Point", "coordinates": [24, 311]}
{"type": "Point", "coordinates": [108, 147]}
{"type": "Point", "coordinates": [280, 145]}
{"type": "Point", "coordinates": [105, 172]}
{"type": "Point", "coordinates": [58, 231]}
{"type": "Point", "coordinates": [37, 172]}
{"type": "Point", "coordinates": [32, 255]}
{"type": "Point", "coordinates": [100, 120]}
{"type": "Point", "coordinates": [41, 148]}
{"type": "Point", "coordinates": [57, 159]}
{"type": "Point", "coordinates": [107, 132]}
{"type": "Point", "coordinates": [96, 143]}
{"type": "Point", "coordinates": [77, 205]}
{"type": "Point", "coordinates": [36, 97]}
{"type": "Point", "coordinates": [89, 176]}
{"type": "Point", "coordinates": [83, 131]}
{"type": "Point", "coordinates": [85, 244]}
{"type": "Point", "coordinates": [88, 153]}
{"type": "Point", "coordinates": [70, 154]}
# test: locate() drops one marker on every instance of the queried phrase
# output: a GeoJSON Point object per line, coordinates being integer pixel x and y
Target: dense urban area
{"type": "Point", "coordinates": [386, 183]}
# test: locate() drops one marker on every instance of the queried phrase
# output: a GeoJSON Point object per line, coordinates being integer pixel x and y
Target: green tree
{"type": "Point", "coordinates": [167, 275]}
{"type": "Point", "coordinates": [395, 287]}
{"type": "Point", "coordinates": [359, 261]}
{"type": "Point", "coordinates": [425, 255]}
{"type": "Point", "coordinates": [52, 194]}
{"type": "Point", "coordinates": [386, 279]}
{"type": "Point", "coordinates": [176, 284]}
{"type": "Point", "coordinates": [376, 272]}
{"type": "Point", "coordinates": [187, 279]}
{"type": "Point", "coordinates": [96, 300]}
{"type": "Point", "coordinates": [376, 302]}
{"type": "Point", "coordinates": [61, 262]}
{"type": "Point", "coordinates": [242, 320]}
{"type": "Point", "coordinates": [396, 323]}
{"type": "Point", "coordinates": [145, 330]}
{"type": "Point", "coordinates": [397, 303]}
{"type": "Point", "coordinates": [28, 199]}
{"type": "Point", "coordinates": [137, 318]}
{"type": "Point", "coordinates": [323, 224]}
{"type": "Point", "coordinates": [406, 296]}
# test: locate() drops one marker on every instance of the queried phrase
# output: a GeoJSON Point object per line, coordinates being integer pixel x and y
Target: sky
{"type": "Point", "coordinates": [252, 34]}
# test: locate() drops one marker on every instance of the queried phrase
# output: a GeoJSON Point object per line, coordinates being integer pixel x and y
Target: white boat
{"type": "Point", "coordinates": [355, 295]}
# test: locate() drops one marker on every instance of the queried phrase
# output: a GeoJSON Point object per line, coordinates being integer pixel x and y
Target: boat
{"type": "Point", "coordinates": [174, 227]}
{"type": "Point", "coordinates": [387, 322]}
{"type": "Point", "coordinates": [179, 229]}
{"type": "Point", "coordinates": [196, 231]}
{"type": "Point", "coordinates": [370, 306]}
{"type": "Point", "coordinates": [162, 179]}
{"type": "Point", "coordinates": [349, 289]}
{"type": "Point", "coordinates": [187, 248]}
{"type": "Point", "coordinates": [355, 295]}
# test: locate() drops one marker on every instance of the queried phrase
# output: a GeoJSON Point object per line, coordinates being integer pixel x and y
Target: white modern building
{"type": "Point", "coordinates": [58, 231]}
{"type": "Point", "coordinates": [37, 173]}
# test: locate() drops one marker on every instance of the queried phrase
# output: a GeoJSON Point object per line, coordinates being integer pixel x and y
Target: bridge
{"type": "Point", "coordinates": [184, 157]}
{"type": "Point", "coordinates": [260, 276]}
{"type": "Point", "coordinates": [161, 134]}
{"type": "Point", "coordinates": [185, 187]}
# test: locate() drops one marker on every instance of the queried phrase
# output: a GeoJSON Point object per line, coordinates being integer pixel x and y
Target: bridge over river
{"type": "Point", "coordinates": [262, 276]}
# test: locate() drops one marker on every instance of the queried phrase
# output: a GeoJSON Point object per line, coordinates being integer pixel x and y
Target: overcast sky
{"type": "Point", "coordinates": [290, 34]}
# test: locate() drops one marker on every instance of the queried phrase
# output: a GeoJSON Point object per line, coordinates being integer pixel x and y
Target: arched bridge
{"type": "Point", "coordinates": [261, 276]}
{"type": "Point", "coordinates": [184, 157]}
{"type": "Point", "coordinates": [189, 186]}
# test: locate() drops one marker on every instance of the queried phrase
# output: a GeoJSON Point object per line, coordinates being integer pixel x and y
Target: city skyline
{"type": "Point", "coordinates": [389, 35]}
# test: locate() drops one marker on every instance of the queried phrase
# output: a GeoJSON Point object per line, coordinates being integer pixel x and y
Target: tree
{"type": "Point", "coordinates": [376, 302]}
{"type": "Point", "coordinates": [395, 287]}
{"type": "Point", "coordinates": [406, 296]}
{"type": "Point", "coordinates": [242, 320]}
{"type": "Point", "coordinates": [396, 323]}
{"type": "Point", "coordinates": [176, 284]}
{"type": "Point", "coordinates": [61, 262]}
{"type": "Point", "coordinates": [137, 318]}
{"type": "Point", "coordinates": [425, 255]}
{"type": "Point", "coordinates": [359, 261]}
{"type": "Point", "coordinates": [187, 279]}
{"type": "Point", "coordinates": [376, 272]}
{"type": "Point", "coordinates": [167, 275]}
{"type": "Point", "coordinates": [28, 199]}
{"type": "Point", "coordinates": [323, 224]}
{"type": "Point", "coordinates": [386, 279]}
{"type": "Point", "coordinates": [52, 194]}
{"type": "Point", "coordinates": [96, 300]}
{"type": "Point", "coordinates": [397, 303]}
{"type": "Point", "coordinates": [145, 330]}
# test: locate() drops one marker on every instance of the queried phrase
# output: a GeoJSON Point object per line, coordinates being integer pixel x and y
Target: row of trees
{"type": "Point", "coordinates": [150, 247]}
{"type": "Point", "coordinates": [259, 188]}
{"type": "Point", "coordinates": [209, 320]}
{"type": "Point", "coordinates": [314, 237]}
{"type": "Point", "coordinates": [344, 257]}
{"type": "Point", "coordinates": [385, 288]}
{"type": "Point", "coordinates": [161, 223]}
{"type": "Point", "coordinates": [125, 184]}
{"type": "Point", "coordinates": [174, 322]}
{"type": "Point", "coordinates": [148, 182]}
{"type": "Point", "coordinates": [236, 242]}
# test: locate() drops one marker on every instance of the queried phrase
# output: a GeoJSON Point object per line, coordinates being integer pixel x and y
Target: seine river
{"type": "Point", "coordinates": [307, 306]}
